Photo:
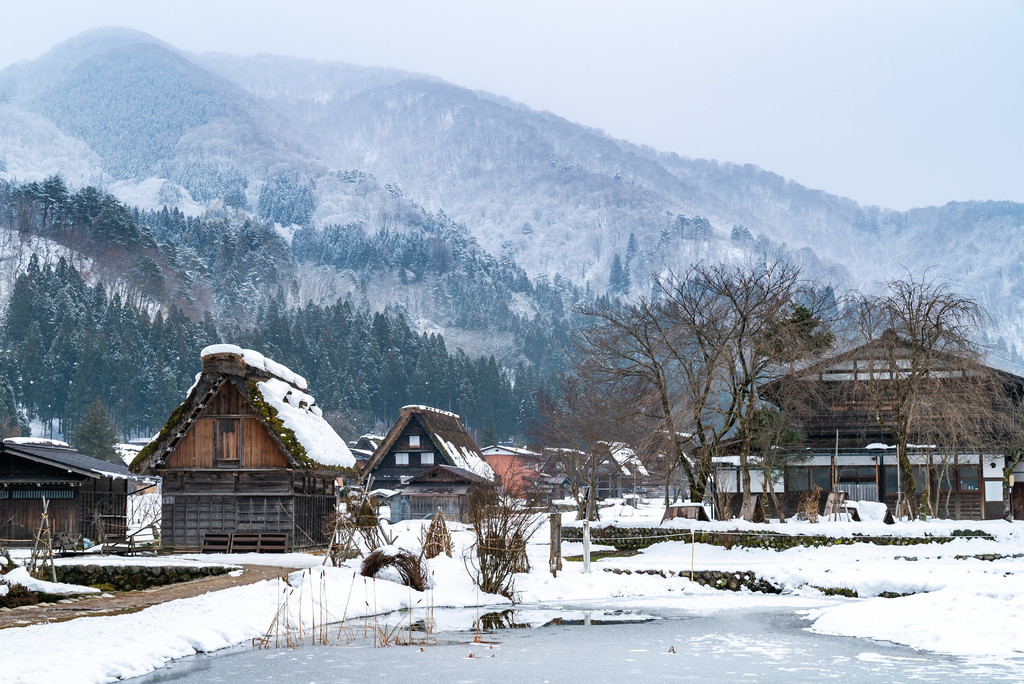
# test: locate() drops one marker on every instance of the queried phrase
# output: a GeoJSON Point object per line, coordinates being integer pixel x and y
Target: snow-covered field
{"type": "Point", "coordinates": [961, 604]}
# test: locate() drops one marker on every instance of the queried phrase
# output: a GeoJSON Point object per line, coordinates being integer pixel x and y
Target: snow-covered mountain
{"type": "Point", "coordinates": [156, 125]}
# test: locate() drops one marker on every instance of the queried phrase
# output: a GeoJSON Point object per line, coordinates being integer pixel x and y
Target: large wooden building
{"type": "Point", "coordinates": [247, 452]}
{"type": "Point", "coordinates": [956, 449]}
{"type": "Point", "coordinates": [420, 439]}
{"type": "Point", "coordinates": [86, 497]}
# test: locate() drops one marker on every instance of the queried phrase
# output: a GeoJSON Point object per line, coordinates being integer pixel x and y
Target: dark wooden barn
{"type": "Point", "coordinates": [87, 497]}
{"type": "Point", "coordinates": [420, 439]}
{"type": "Point", "coordinates": [441, 488]}
{"type": "Point", "coordinates": [835, 404]}
{"type": "Point", "coordinates": [247, 452]}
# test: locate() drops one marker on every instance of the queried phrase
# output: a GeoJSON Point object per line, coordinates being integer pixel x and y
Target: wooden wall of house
{"type": "Point", "coordinates": [78, 505]}
{"type": "Point", "coordinates": [402, 445]}
{"type": "Point", "coordinates": [227, 434]}
{"type": "Point", "coordinates": [102, 509]}
{"type": "Point", "coordinates": [188, 517]}
{"type": "Point", "coordinates": [19, 518]}
{"type": "Point", "coordinates": [822, 407]}
{"type": "Point", "coordinates": [197, 502]}
{"type": "Point", "coordinates": [242, 481]}
{"type": "Point", "coordinates": [95, 508]}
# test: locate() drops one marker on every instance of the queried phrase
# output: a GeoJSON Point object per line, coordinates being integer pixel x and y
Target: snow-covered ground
{"type": "Point", "coordinates": [963, 605]}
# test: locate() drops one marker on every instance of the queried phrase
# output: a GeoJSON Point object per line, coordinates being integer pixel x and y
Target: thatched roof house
{"type": "Point", "coordinates": [247, 451]}
{"type": "Point", "coordinates": [421, 438]}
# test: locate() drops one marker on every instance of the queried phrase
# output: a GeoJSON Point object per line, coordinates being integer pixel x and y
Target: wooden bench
{"type": "Point", "coordinates": [65, 544]}
{"type": "Point", "coordinates": [216, 543]}
{"type": "Point", "coordinates": [273, 542]}
{"type": "Point", "coordinates": [244, 542]}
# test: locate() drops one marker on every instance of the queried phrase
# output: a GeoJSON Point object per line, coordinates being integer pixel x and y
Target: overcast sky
{"type": "Point", "coordinates": [898, 104]}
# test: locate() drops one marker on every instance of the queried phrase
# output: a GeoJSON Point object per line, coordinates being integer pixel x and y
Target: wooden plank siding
{"type": "Point", "coordinates": [93, 507]}
{"type": "Point", "coordinates": [19, 518]}
{"type": "Point", "coordinates": [227, 434]}
{"type": "Point", "coordinates": [188, 517]}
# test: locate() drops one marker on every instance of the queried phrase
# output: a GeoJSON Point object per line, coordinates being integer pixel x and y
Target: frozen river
{"type": "Point", "coordinates": [599, 645]}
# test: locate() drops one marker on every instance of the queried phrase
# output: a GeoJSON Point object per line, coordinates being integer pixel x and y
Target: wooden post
{"type": "Point", "coordinates": [835, 473]}
{"type": "Point", "coordinates": [693, 549]}
{"type": "Point", "coordinates": [586, 547]}
{"type": "Point", "coordinates": [555, 558]}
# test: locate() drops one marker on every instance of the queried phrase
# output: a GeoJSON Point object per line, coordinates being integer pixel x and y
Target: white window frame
{"type": "Point", "coordinates": [401, 458]}
{"type": "Point", "coordinates": [414, 440]}
{"type": "Point", "coordinates": [427, 458]}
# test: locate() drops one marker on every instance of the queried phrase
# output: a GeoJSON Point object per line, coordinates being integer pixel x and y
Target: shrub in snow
{"type": "Point", "coordinates": [501, 525]}
{"type": "Point", "coordinates": [395, 565]}
{"type": "Point", "coordinates": [16, 595]}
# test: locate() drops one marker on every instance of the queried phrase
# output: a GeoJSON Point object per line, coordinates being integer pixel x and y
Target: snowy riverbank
{"type": "Point", "coordinates": [968, 605]}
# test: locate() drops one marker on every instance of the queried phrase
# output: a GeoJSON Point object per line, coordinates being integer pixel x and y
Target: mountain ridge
{"type": "Point", "coordinates": [554, 196]}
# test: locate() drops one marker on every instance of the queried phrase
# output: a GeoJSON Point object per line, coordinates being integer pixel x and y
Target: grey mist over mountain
{"type": "Point", "coordinates": [316, 144]}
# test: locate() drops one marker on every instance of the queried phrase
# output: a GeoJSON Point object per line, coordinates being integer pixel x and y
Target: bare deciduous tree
{"type": "Point", "coordinates": [745, 325]}
{"type": "Point", "coordinates": [918, 335]}
{"type": "Point", "coordinates": [578, 423]}
{"type": "Point", "coordinates": [626, 352]}
{"type": "Point", "coordinates": [695, 358]}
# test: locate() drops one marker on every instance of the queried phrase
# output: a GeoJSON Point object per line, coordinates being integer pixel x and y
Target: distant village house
{"type": "Point", "coordinates": [420, 440]}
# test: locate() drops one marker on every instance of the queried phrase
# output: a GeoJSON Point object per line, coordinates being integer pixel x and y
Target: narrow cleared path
{"type": "Point", "coordinates": [131, 601]}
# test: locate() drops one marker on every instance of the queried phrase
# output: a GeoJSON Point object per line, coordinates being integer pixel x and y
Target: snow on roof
{"type": "Point", "coordinates": [298, 412]}
{"type": "Point", "coordinates": [627, 458]}
{"type": "Point", "coordinates": [464, 458]}
{"type": "Point", "coordinates": [421, 407]}
{"type": "Point", "coordinates": [879, 445]}
{"type": "Point", "coordinates": [127, 451]}
{"type": "Point", "coordinates": [502, 448]}
{"type": "Point", "coordinates": [38, 441]}
{"type": "Point", "coordinates": [256, 360]}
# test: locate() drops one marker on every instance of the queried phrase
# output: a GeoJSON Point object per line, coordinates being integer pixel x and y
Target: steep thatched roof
{"type": "Point", "coordinates": [445, 431]}
{"type": "Point", "coordinates": [279, 398]}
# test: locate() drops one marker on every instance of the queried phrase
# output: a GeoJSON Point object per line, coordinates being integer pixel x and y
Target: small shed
{"type": "Point", "coordinates": [442, 487]}
{"type": "Point", "coordinates": [248, 451]}
{"type": "Point", "coordinates": [87, 497]}
{"type": "Point", "coordinates": [420, 439]}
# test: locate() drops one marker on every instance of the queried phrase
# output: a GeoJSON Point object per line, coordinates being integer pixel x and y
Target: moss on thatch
{"type": "Point", "coordinates": [172, 424]}
{"type": "Point", "coordinates": [285, 434]}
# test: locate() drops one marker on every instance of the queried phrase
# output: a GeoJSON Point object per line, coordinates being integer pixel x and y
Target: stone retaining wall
{"type": "Point", "coordinates": [733, 581]}
{"type": "Point", "coordinates": [132, 577]}
{"type": "Point", "coordinates": [633, 538]}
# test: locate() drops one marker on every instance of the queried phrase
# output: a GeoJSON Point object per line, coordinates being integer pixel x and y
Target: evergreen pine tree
{"type": "Point", "coordinates": [631, 249]}
{"type": "Point", "coordinates": [490, 436]}
{"type": "Point", "coordinates": [618, 280]}
{"type": "Point", "coordinates": [96, 436]}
